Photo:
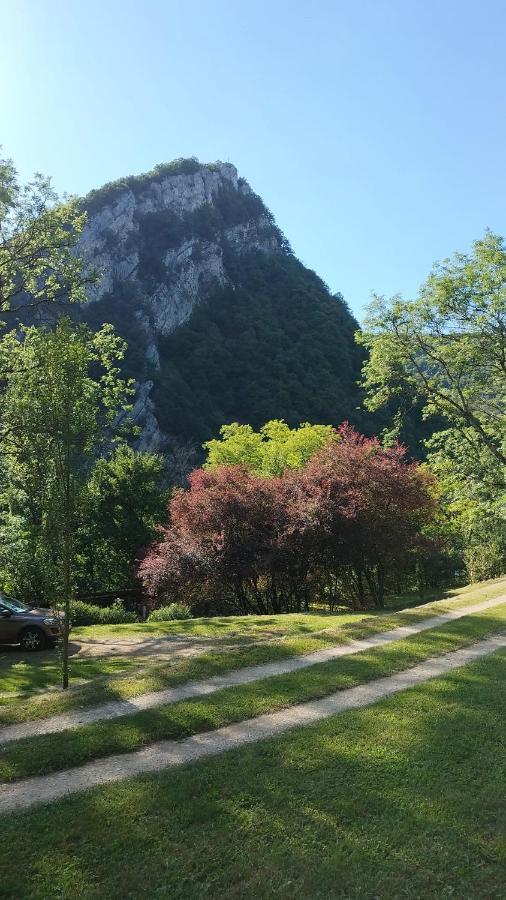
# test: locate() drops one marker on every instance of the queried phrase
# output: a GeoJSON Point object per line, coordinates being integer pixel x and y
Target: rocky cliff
{"type": "Point", "coordinates": [185, 244]}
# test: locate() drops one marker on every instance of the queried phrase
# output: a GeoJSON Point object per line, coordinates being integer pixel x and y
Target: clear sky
{"type": "Point", "coordinates": [375, 130]}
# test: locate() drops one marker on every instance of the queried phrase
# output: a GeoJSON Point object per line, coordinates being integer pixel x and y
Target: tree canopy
{"type": "Point", "coordinates": [448, 347]}
{"type": "Point", "coordinates": [62, 395]}
{"type": "Point", "coordinates": [335, 530]}
{"type": "Point", "coordinates": [447, 351]}
{"type": "Point", "coordinates": [124, 501]}
{"type": "Point", "coordinates": [38, 236]}
{"type": "Point", "coordinates": [269, 451]}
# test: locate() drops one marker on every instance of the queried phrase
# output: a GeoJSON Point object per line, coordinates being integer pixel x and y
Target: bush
{"type": "Point", "coordinates": [170, 612]}
{"type": "Point", "coordinates": [89, 614]}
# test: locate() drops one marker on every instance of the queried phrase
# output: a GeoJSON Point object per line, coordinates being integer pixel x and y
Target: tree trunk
{"type": "Point", "coordinates": [381, 586]}
{"type": "Point", "coordinates": [67, 568]}
{"type": "Point", "coordinates": [360, 587]}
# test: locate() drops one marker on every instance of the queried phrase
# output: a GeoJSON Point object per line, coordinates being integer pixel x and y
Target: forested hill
{"type": "Point", "coordinates": [274, 344]}
{"type": "Point", "coordinates": [223, 322]}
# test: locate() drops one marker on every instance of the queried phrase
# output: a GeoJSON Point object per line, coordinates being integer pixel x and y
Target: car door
{"type": "Point", "coordinates": [9, 625]}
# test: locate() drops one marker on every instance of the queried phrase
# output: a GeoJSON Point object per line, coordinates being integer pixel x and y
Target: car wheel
{"type": "Point", "coordinates": [32, 639]}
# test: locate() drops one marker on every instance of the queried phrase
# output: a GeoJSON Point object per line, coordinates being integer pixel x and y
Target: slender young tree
{"type": "Point", "coordinates": [62, 395]}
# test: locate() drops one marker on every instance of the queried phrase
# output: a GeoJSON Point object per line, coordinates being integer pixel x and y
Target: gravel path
{"type": "Point", "coordinates": [168, 754]}
{"type": "Point", "coordinates": [246, 675]}
{"type": "Point", "coordinates": [156, 647]}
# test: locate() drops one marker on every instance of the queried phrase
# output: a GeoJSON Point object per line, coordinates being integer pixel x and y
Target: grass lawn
{"type": "Point", "coordinates": [403, 799]}
{"type": "Point", "coordinates": [53, 752]}
{"type": "Point", "coordinates": [277, 625]}
{"type": "Point", "coordinates": [28, 673]}
{"type": "Point", "coordinates": [140, 675]}
{"type": "Point", "coordinates": [144, 675]}
{"type": "Point", "coordinates": [33, 672]}
{"type": "Point", "coordinates": [224, 626]}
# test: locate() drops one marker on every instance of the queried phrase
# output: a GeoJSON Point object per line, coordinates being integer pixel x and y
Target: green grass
{"type": "Point", "coordinates": [22, 672]}
{"type": "Point", "coordinates": [47, 753]}
{"type": "Point", "coordinates": [225, 626]}
{"type": "Point", "coordinates": [266, 626]}
{"type": "Point", "coordinates": [148, 675]}
{"type": "Point", "coordinates": [30, 673]}
{"type": "Point", "coordinates": [33, 673]}
{"type": "Point", "coordinates": [404, 799]}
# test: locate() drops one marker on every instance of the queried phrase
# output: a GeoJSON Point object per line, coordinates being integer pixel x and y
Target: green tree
{"type": "Point", "coordinates": [475, 503]}
{"type": "Point", "coordinates": [269, 451]}
{"type": "Point", "coordinates": [446, 350]}
{"type": "Point", "coordinates": [38, 235]}
{"type": "Point", "coordinates": [62, 395]}
{"type": "Point", "coordinates": [125, 500]}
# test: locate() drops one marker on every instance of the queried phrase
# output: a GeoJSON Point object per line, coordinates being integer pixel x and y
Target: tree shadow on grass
{"type": "Point", "coordinates": [396, 800]}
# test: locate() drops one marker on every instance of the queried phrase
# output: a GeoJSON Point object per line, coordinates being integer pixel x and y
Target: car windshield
{"type": "Point", "coordinates": [12, 605]}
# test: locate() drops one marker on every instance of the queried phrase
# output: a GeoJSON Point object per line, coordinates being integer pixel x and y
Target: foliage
{"type": "Point", "coordinates": [269, 451]}
{"type": "Point", "coordinates": [119, 308]}
{"type": "Point", "coordinates": [180, 460]}
{"type": "Point", "coordinates": [239, 541]}
{"type": "Point", "coordinates": [38, 234]}
{"type": "Point", "coordinates": [449, 347]}
{"type": "Point", "coordinates": [123, 501]}
{"type": "Point", "coordinates": [62, 394]}
{"type": "Point", "coordinates": [475, 508]}
{"type": "Point", "coordinates": [372, 507]}
{"type": "Point", "coordinates": [89, 614]}
{"type": "Point", "coordinates": [174, 611]}
{"type": "Point", "coordinates": [447, 350]}
{"type": "Point", "coordinates": [278, 346]}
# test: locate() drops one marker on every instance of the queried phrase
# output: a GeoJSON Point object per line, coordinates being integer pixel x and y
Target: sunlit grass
{"type": "Point", "coordinates": [123, 677]}
{"type": "Point", "coordinates": [285, 623]}
{"type": "Point", "coordinates": [402, 799]}
{"type": "Point", "coordinates": [45, 753]}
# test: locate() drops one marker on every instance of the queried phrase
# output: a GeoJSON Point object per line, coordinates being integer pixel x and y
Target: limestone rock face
{"type": "Point", "coordinates": [190, 266]}
{"type": "Point", "coordinates": [162, 243]}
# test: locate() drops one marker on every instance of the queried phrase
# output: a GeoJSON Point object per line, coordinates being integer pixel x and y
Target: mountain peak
{"type": "Point", "coordinates": [200, 281]}
{"type": "Point", "coordinates": [168, 234]}
{"type": "Point", "coordinates": [183, 168]}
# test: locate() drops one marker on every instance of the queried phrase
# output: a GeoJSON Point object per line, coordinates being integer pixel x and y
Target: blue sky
{"type": "Point", "coordinates": [375, 130]}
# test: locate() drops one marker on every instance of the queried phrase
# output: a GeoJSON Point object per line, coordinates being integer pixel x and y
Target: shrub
{"type": "Point", "coordinates": [170, 612]}
{"type": "Point", "coordinates": [90, 614]}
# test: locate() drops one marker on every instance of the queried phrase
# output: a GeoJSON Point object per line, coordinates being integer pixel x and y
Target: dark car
{"type": "Point", "coordinates": [32, 627]}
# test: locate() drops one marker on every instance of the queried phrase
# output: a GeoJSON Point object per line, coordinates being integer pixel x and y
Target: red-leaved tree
{"type": "Point", "coordinates": [219, 542]}
{"type": "Point", "coordinates": [337, 529]}
{"type": "Point", "coordinates": [372, 506]}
